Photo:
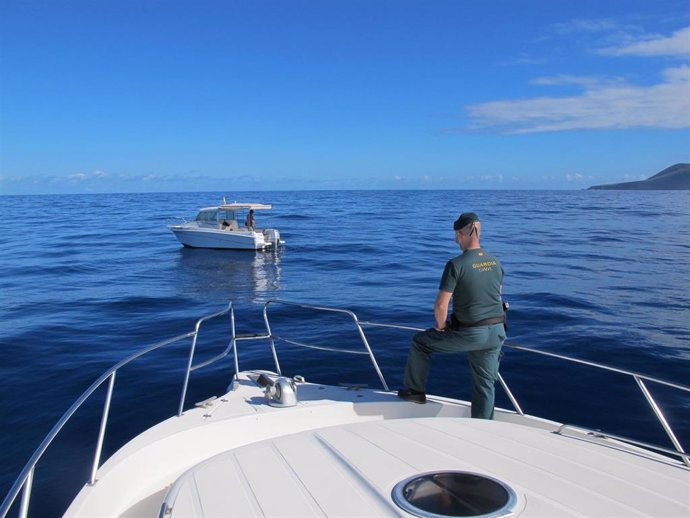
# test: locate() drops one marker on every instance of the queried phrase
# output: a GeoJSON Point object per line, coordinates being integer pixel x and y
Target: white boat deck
{"type": "Point", "coordinates": [351, 471]}
{"type": "Point", "coordinates": [340, 452]}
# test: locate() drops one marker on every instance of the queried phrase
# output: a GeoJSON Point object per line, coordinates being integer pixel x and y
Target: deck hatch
{"type": "Point", "coordinates": [454, 493]}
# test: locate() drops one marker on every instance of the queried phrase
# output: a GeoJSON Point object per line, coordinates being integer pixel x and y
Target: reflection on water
{"type": "Point", "coordinates": [246, 276]}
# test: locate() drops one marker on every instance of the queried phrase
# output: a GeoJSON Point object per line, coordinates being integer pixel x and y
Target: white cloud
{"type": "Point", "coordinates": [587, 26]}
{"type": "Point", "coordinates": [565, 79]}
{"type": "Point", "coordinates": [603, 104]}
{"type": "Point", "coordinates": [577, 177]}
{"type": "Point", "coordinates": [678, 44]}
{"type": "Point", "coordinates": [678, 75]}
{"type": "Point", "coordinates": [81, 177]}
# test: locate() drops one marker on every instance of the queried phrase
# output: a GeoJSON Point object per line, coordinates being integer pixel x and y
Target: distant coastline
{"type": "Point", "coordinates": [674, 178]}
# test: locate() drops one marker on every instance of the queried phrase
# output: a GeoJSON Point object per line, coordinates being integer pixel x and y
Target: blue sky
{"type": "Point", "coordinates": [141, 96]}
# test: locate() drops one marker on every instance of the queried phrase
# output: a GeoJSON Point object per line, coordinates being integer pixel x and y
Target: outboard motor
{"type": "Point", "coordinates": [282, 392]}
{"type": "Point", "coordinates": [272, 236]}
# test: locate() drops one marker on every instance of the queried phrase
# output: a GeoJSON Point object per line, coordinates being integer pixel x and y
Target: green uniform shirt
{"type": "Point", "coordinates": [474, 278]}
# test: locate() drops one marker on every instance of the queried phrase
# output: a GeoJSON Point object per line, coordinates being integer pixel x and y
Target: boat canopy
{"type": "Point", "coordinates": [239, 206]}
{"type": "Point", "coordinates": [235, 205]}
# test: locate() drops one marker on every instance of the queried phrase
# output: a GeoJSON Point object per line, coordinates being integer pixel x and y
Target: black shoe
{"type": "Point", "coordinates": [412, 395]}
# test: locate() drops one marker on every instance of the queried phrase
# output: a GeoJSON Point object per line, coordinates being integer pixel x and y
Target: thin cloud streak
{"type": "Point", "coordinates": [602, 105]}
{"type": "Point", "coordinates": [82, 177]}
{"type": "Point", "coordinates": [589, 26]}
{"type": "Point", "coordinates": [583, 81]}
{"type": "Point", "coordinates": [678, 44]}
{"type": "Point", "coordinates": [577, 177]}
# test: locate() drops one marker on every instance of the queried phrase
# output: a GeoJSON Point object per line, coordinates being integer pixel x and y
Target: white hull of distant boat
{"type": "Point", "coordinates": [277, 446]}
{"type": "Point", "coordinates": [219, 227]}
{"type": "Point", "coordinates": [194, 236]}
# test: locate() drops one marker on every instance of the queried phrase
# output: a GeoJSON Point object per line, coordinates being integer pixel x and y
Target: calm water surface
{"type": "Point", "coordinates": [88, 279]}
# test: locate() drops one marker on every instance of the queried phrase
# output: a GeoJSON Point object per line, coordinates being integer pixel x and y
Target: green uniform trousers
{"type": "Point", "coordinates": [483, 347]}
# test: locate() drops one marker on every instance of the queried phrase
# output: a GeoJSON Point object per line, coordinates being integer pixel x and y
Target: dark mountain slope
{"type": "Point", "coordinates": [674, 178]}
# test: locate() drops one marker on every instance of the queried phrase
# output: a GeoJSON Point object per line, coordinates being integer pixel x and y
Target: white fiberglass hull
{"type": "Point", "coordinates": [340, 452]}
{"type": "Point", "coordinates": [223, 239]}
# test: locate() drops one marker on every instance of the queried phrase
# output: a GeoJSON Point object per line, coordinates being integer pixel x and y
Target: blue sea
{"type": "Point", "coordinates": [88, 279]}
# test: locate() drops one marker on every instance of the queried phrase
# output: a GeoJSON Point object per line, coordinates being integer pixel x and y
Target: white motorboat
{"type": "Point", "coordinates": [281, 446]}
{"type": "Point", "coordinates": [224, 227]}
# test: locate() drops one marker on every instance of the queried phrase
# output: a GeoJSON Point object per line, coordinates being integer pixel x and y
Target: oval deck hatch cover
{"type": "Point", "coordinates": [454, 493]}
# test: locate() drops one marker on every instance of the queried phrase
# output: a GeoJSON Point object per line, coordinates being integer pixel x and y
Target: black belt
{"type": "Point", "coordinates": [456, 324]}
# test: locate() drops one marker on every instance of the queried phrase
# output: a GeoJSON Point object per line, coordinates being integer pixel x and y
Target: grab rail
{"type": "Point", "coordinates": [190, 367]}
{"type": "Point", "coordinates": [562, 430]}
{"type": "Point", "coordinates": [328, 310]}
{"type": "Point", "coordinates": [25, 478]}
{"type": "Point", "coordinates": [640, 383]}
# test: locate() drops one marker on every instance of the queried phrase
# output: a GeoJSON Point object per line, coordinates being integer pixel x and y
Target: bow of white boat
{"type": "Point", "coordinates": [344, 450]}
{"type": "Point", "coordinates": [139, 474]}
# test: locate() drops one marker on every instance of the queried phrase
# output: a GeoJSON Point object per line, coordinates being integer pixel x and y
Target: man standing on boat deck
{"type": "Point", "coordinates": [473, 280]}
{"type": "Point", "coordinates": [250, 223]}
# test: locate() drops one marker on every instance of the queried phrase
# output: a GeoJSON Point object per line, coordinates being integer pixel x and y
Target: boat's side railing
{"type": "Point", "coordinates": [25, 478]}
{"type": "Point", "coordinates": [367, 348]}
{"type": "Point", "coordinates": [597, 434]}
{"type": "Point", "coordinates": [504, 385]}
{"type": "Point", "coordinates": [640, 379]}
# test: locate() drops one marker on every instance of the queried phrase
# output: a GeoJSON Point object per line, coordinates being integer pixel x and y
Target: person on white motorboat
{"type": "Point", "coordinates": [473, 280]}
{"type": "Point", "coordinates": [250, 223]}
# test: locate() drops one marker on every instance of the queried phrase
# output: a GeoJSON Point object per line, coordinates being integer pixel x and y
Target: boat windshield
{"type": "Point", "coordinates": [227, 215]}
{"type": "Point", "coordinates": [214, 215]}
{"type": "Point", "coordinates": [207, 216]}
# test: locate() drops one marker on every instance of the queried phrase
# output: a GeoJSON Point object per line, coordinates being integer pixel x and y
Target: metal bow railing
{"type": "Point", "coordinates": [25, 479]}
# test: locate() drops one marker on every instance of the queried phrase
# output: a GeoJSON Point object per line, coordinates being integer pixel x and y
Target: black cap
{"type": "Point", "coordinates": [465, 219]}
